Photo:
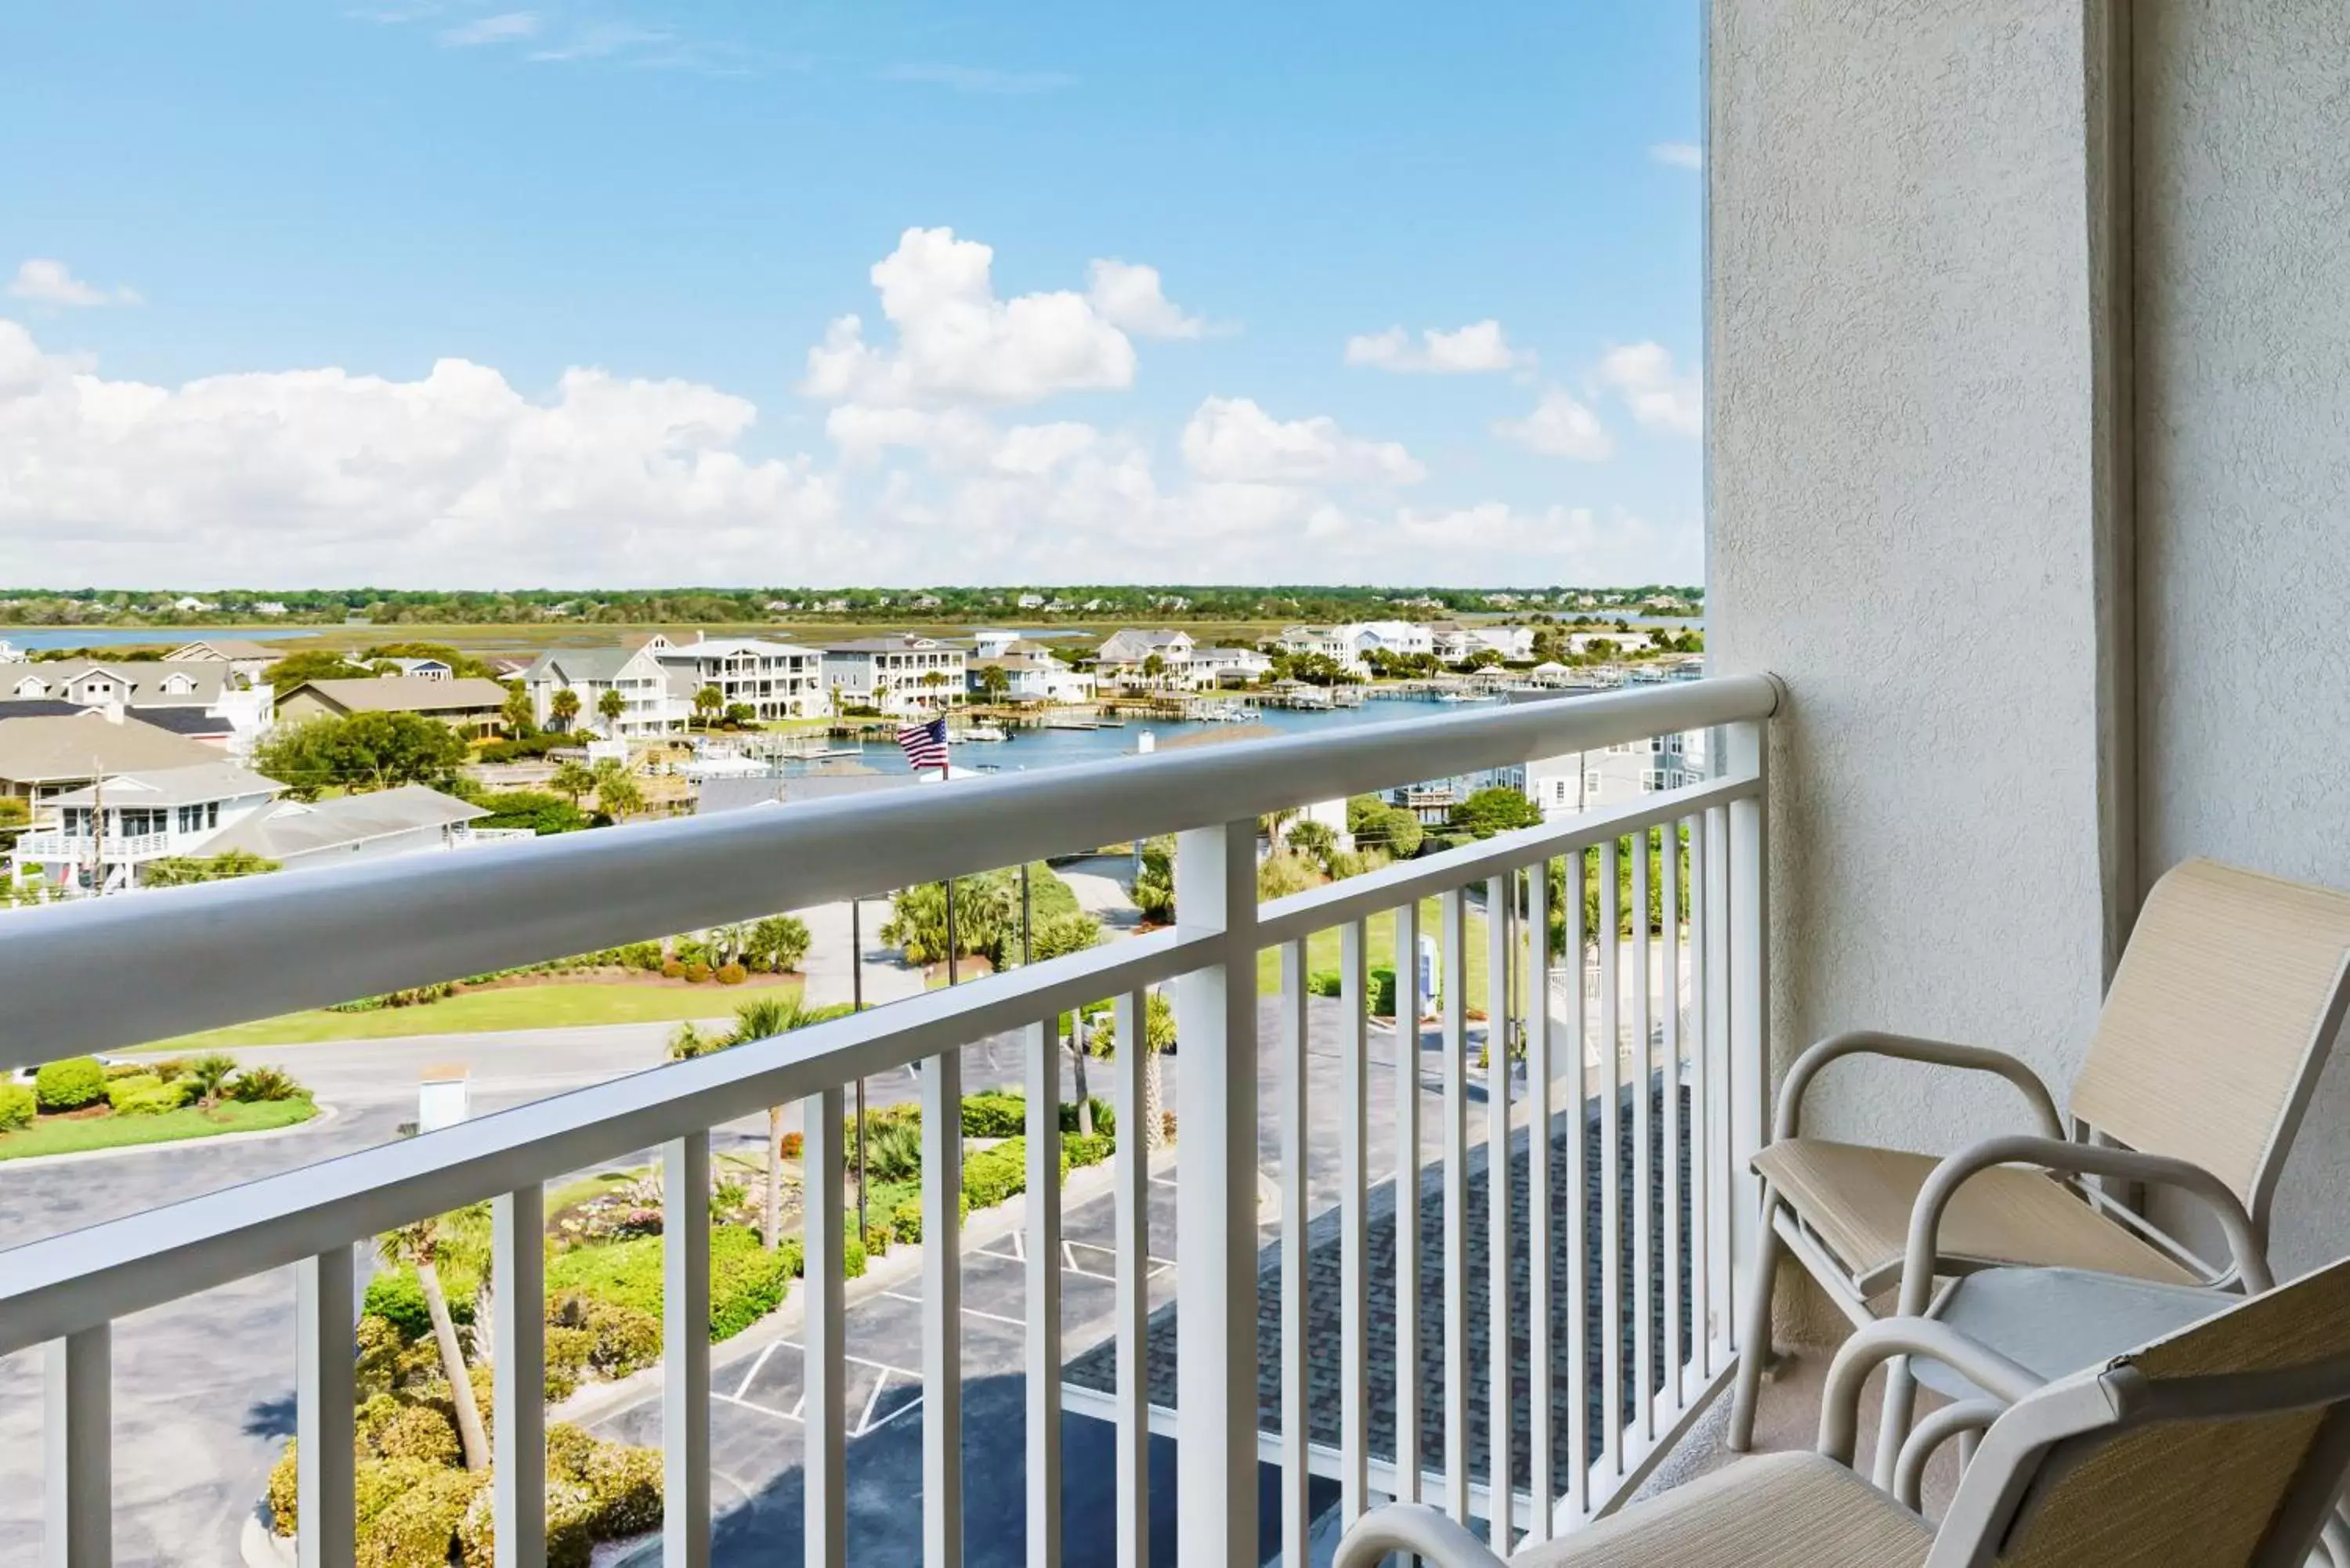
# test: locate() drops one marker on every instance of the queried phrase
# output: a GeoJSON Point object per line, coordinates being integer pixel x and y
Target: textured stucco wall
{"type": "Point", "coordinates": [2242, 157]}
{"type": "Point", "coordinates": [1904, 431]}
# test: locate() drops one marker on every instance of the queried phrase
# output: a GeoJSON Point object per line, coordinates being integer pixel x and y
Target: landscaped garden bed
{"type": "Point", "coordinates": [80, 1104]}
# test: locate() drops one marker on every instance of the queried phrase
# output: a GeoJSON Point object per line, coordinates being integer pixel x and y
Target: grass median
{"type": "Point", "coordinates": [76, 1135]}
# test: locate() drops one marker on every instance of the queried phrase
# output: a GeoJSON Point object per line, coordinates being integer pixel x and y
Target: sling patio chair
{"type": "Point", "coordinates": [2205, 1056]}
{"type": "Point", "coordinates": [2218, 1447]}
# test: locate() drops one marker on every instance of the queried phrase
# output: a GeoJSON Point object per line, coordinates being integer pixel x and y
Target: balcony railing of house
{"type": "Point", "coordinates": [79, 847]}
{"type": "Point", "coordinates": [1642, 1091]}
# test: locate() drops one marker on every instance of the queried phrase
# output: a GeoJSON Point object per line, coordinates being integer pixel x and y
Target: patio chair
{"type": "Point", "coordinates": [2218, 1447]}
{"type": "Point", "coordinates": [2208, 1049]}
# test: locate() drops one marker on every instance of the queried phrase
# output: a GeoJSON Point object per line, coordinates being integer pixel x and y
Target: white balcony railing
{"type": "Point", "coordinates": [76, 849]}
{"type": "Point", "coordinates": [1651, 1092]}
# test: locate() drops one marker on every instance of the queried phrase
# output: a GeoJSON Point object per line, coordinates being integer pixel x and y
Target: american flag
{"type": "Point", "coordinates": [925, 744]}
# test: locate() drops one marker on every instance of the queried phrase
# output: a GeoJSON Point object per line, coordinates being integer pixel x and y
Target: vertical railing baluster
{"type": "Point", "coordinates": [685, 1352]}
{"type": "Point", "coordinates": [1541, 1326]}
{"type": "Point", "coordinates": [1130, 1178]}
{"type": "Point", "coordinates": [824, 1431]}
{"type": "Point", "coordinates": [1043, 1058]}
{"type": "Point", "coordinates": [1579, 1187]}
{"type": "Point", "coordinates": [1611, 1161]}
{"type": "Point", "coordinates": [1500, 897]}
{"type": "Point", "coordinates": [1407, 1204]}
{"type": "Point", "coordinates": [1747, 853]}
{"type": "Point", "coordinates": [77, 1430]}
{"type": "Point", "coordinates": [1699, 1131]}
{"type": "Point", "coordinates": [1668, 870]}
{"type": "Point", "coordinates": [1455, 982]}
{"type": "Point", "coordinates": [518, 1386]}
{"type": "Point", "coordinates": [1353, 1226]}
{"type": "Point", "coordinates": [1723, 1175]}
{"type": "Point", "coordinates": [941, 1096]}
{"type": "Point", "coordinates": [1296, 1475]}
{"type": "Point", "coordinates": [325, 1408]}
{"type": "Point", "coordinates": [1215, 1292]}
{"type": "Point", "coordinates": [1644, 1149]}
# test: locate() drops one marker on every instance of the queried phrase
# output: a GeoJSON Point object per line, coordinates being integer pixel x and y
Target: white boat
{"type": "Point", "coordinates": [980, 732]}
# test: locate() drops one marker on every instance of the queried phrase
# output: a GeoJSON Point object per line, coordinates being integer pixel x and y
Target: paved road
{"type": "Point", "coordinates": [204, 1387]}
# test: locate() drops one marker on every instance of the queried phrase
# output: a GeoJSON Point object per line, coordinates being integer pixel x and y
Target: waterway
{"type": "Point", "coordinates": [30, 638]}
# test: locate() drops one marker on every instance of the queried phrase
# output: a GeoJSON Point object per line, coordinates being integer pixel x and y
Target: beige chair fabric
{"type": "Point", "coordinates": [1778, 1509]}
{"type": "Point", "coordinates": [2210, 1021]}
{"type": "Point", "coordinates": [2192, 1492]}
{"type": "Point", "coordinates": [1858, 1200]}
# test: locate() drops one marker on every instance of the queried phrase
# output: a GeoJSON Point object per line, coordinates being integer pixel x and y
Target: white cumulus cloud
{"type": "Point", "coordinates": [313, 476]}
{"type": "Point", "coordinates": [1232, 440]}
{"type": "Point", "coordinates": [956, 342]}
{"type": "Point", "coordinates": [1477, 349]}
{"type": "Point", "coordinates": [1559, 426]}
{"type": "Point", "coordinates": [1130, 296]}
{"type": "Point", "coordinates": [1678, 154]}
{"type": "Point", "coordinates": [46, 281]}
{"type": "Point", "coordinates": [1659, 395]}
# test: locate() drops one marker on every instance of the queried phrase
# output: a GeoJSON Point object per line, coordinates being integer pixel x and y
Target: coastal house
{"type": "Point", "coordinates": [1031, 677]}
{"type": "Point", "coordinates": [469, 705]}
{"type": "Point", "coordinates": [1336, 643]}
{"type": "Point", "coordinates": [1391, 637]}
{"type": "Point", "coordinates": [774, 679]}
{"type": "Point", "coordinates": [52, 753]}
{"type": "Point", "coordinates": [1621, 641]}
{"type": "Point", "coordinates": [215, 691]}
{"type": "Point", "coordinates": [1456, 644]}
{"type": "Point", "coordinates": [655, 701]}
{"type": "Point", "coordinates": [895, 675]}
{"type": "Point", "coordinates": [1208, 668]}
{"type": "Point", "coordinates": [1124, 653]}
{"type": "Point", "coordinates": [423, 668]}
{"type": "Point", "coordinates": [246, 658]}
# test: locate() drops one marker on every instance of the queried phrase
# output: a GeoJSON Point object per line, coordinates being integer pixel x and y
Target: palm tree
{"type": "Point", "coordinates": [707, 703]}
{"type": "Point", "coordinates": [620, 796]}
{"type": "Point", "coordinates": [612, 705]}
{"type": "Point", "coordinates": [572, 779]}
{"type": "Point", "coordinates": [417, 1246]}
{"type": "Point", "coordinates": [730, 939]}
{"type": "Point", "coordinates": [760, 1020]}
{"type": "Point", "coordinates": [932, 679]}
{"type": "Point", "coordinates": [564, 707]}
{"type": "Point", "coordinates": [516, 710]}
{"type": "Point", "coordinates": [1153, 667]}
{"type": "Point", "coordinates": [994, 683]}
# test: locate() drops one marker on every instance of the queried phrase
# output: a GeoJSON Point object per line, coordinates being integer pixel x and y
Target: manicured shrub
{"type": "Point", "coordinates": [1105, 1116]}
{"type": "Point", "coordinates": [257, 1083]}
{"type": "Point", "coordinates": [418, 1432]}
{"type": "Point", "coordinates": [793, 1143]}
{"type": "Point", "coordinates": [746, 1280]}
{"type": "Point", "coordinates": [906, 1222]}
{"type": "Point", "coordinates": [731, 975]}
{"type": "Point", "coordinates": [145, 1097]}
{"type": "Point", "coordinates": [672, 970]}
{"type": "Point", "coordinates": [1383, 991]}
{"type": "Point", "coordinates": [696, 972]}
{"type": "Point", "coordinates": [992, 1175]}
{"type": "Point", "coordinates": [122, 1070]}
{"type": "Point", "coordinates": [418, 1526]}
{"type": "Point", "coordinates": [1322, 983]}
{"type": "Point", "coordinates": [625, 1485]}
{"type": "Point", "coordinates": [994, 1114]}
{"type": "Point", "coordinates": [642, 955]}
{"type": "Point", "coordinates": [171, 1069]}
{"type": "Point", "coordinates": [1279, 876]}
{"type": "Point", "coordinates": [396, 1296]}
{"type": "Point", "coordinates": [18, 1106]}
{"type": "Point", "coordinates": [1078, 1150]}
{"type": "Point", "coordinates": [208, 1072]}
{"type": "Point", "coordinates": [70, 1085]}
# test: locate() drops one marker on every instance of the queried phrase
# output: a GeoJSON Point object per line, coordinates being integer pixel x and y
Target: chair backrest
{"type": "Point", "coordinates": [2180, 1454]}
{"type": "Point", "coordinates": [2226, 1002]}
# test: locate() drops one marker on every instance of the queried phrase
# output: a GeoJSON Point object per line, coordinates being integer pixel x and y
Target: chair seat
{"type": "Point", "coordinates": [1857, 1199]}
{"type": "Point", "coordinates": [2056, 1321]}
{"type": "Point", "coordinates": [1799, 1510]}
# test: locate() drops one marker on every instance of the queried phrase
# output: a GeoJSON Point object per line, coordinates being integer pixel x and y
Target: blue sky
{"type": "Point", "coordinates": [242, 238]}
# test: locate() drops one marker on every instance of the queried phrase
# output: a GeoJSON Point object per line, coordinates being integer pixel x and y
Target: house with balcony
{"type": "Point", "coordinates": [1209, 667]}
{"type": "Point", "coordinates": [1336, 643]}
{"type": "Point", "coordinates": [653, 703]}
{"type": "Point", "coordinates": [1457, 644]}
{"type": "Point", "coordinates": [470, 705]}
{"type": "Point", "coordinates": [1392, 637]}
{"type": "Point", "coordinates": [1124, 657]}
{"type": "Point", "coordinates": [211, 688]}
{"type": "Point", "coordinates": [896, 675]}
{"type": "Point", "coordinates": [59, 748]}
{"type": "Point", "coordinates": [774, 679]}
{"type": "Point", "coordinates": [2023, 474]}
{"type": "Point", "coordinates": [247, 659]}
{"type": "Point", "coordinates": [1030, 676]}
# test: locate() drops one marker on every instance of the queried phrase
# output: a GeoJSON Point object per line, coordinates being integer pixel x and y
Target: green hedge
{"type": "Point", "coordinates": [996, 1113]}
{"type": "Point", "coordinates": [18, 1106]}
{"type": "Point", "coordinates": [1383, 991]}
{"type": "Point", "coordinates": [145, 1094]}
{"type": "Point", "coordinates": [746, 1280]}
{"type": "Point", "coordinates": [70, 1085]}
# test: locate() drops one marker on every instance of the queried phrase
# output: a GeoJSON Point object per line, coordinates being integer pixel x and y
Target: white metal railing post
{"type": "Point", "coordinates": [1043, 1058]}
{"type": "Point", "coordinates": [1297, 1463]}
{"type": "Point", "coordinates": [1407, 1202]}
{"type": "Point", "coordinates": [824, 1507]}
{"type": "Point", "coordinates": [1454, 921]}
{"type": "Point", "coordinates": [685, 1352]}
{"type": "Point", "coordinates": [1215, 1203]}
{"type": "Point", "coordinates": [324, 1405]}
{"type": "Point", "coordinates": [518, 1267]}
{"type": "Point", "coordinates": [77, 1424]}
{"type": "Point", "coordinates": [941, 1310]}
{"type": "Point", "coordinates": [1746, 752]}
{"type": "Point", "coordinates": [1353, 1226]}
{"type": "Point", "coordinates": [1131, 1179]}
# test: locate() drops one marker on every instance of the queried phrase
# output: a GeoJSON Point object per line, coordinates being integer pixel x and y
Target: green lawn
{"type": "Point", "coordinates": [71, 1135]}
{"type": "Point", "coordinates": [483, 1012]}
{"type": "Point", "coordinates": [1322, 949]}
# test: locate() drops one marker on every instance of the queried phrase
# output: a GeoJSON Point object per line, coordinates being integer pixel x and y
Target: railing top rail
{"type": "Point", "coordinates": [229, 952]}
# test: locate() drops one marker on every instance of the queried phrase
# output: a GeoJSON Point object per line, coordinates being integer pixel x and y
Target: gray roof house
{"type": "Point", "coordinates": [400, 821]}
{"type": "Point", "coordinates": [44, 755]}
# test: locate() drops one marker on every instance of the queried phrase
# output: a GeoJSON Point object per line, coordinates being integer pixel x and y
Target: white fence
{"type": "Point", "coordinates": [1675, 1067]}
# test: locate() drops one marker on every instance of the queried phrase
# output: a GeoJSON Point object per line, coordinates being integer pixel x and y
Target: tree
{"type": "Point", "coordinates": [516, 710]}
{"type": "Point", "coordinates": [1589, 878]}
{"type": "Point", "coordinates": [1496, 810]}
{"type": "Point", "coordinates": [620, 797]}
{"type": "Point", "coordinates": [180, 870]}
{"type": "Point", "coordinates": [539, 812]}
{"type": "Point", "coordinates": [1385, 826]}
{"type": "Point", "coordinates": [574, 780]}
{"type": "Point", "coordinates": [740, 715]}
{"type": "Point", "coordinates": [994, 683]}
{"type": "Point", "coordinates": [779, 943]}
{"type": "Point", "coordinates": [707, 704]}
{"type": "Point", "coordinates": [1153, 668]}
{"type": "Point", "coordinates": [762, 1018]}
{"type": "Point", "coordinates": [564, 707]}
{"type": "Point", "coordinates": [986, 907]}
{"type": "Point", "coordinates": [1158, 1036]}
{"type": "Point", "coordinates": [932, 681]}
{"type": "Point", "coordinates": [311, 664]}
{"type": "Point", "coordinates": [417, 1246]}
{"type": "Point", "coordinates": [1154, 880]}
{"type": "Point", "coordinates": [1313, 838]}
{"type": "Point", "coordinates": [363, 752]}
{"type": "Point", "coordinates": [612, 705]}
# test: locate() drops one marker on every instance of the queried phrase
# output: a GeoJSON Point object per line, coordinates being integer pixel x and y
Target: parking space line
{"type": "Point", "coordinates": [754, 1405]}
{"type": "Point", "coordinates": [913, 1404]}
{"type": "Point", "coordinates": [865, 1417]}
{"type": "Point", "coordinates": [971, 1311]}
{"type": "Point", "coordinates": [752, 1375]}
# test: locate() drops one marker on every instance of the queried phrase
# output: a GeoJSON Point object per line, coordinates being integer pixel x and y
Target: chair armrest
{"type": "Point", "coordinates": [1909, 1048]}
{"type": "Point", "coordinates": [1888, 1337]}
{"type": "Point", "coordinates": [2244, 1241]}
{"type": "Point", "coordinates": [1414, 1529]}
